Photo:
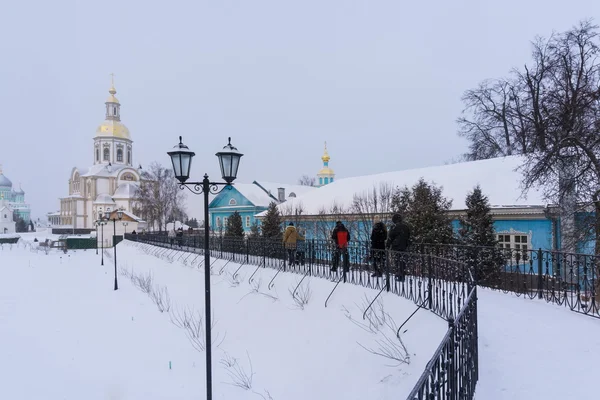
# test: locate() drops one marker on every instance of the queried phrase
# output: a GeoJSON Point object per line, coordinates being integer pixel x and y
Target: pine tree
{"type": "Point", "coordinates": [477, 231]}
{"type": "Point", "coordinates": [234, 226]}
{"type": "Point", "coordinates": [254, 231]}
{"type": "Point", "coordinates": [271, 226]}
{"type": "Point", "coordinates": [425, 211]}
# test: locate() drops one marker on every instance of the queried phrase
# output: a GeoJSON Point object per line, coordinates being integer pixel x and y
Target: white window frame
{"type": "Point", "coordinates": [247, 221]}
{"type": "Point", "coordinates": [225, 219]}
{"type": "Point", "coordinates": [517, 241]}
{"type": "Point", "coordinates": [218, 221]}
{"type": "Point", "coordinates": [232, 202]}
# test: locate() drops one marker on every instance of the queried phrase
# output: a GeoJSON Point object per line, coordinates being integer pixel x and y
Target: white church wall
{"type": "Point", "coordinates": [102, 186]}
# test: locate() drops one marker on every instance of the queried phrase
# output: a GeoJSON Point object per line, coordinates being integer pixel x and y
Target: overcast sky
{"type": "Point", "coordinates": [380, 81]}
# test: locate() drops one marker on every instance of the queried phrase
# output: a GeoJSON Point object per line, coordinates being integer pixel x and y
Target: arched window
{"type": "Point", "coordinates": [115, 111]}
{"type": "Point", "coordinates": [232, 202]}
{"type": "Point", "coordinates": [97, 154]}
{"type": "Point", "coordinates": [292, 194]}
{"type": "Point", "coordinates": [218, 221]}
{"type": "Point", "coordinates": [106, 154]}
{"type": "Point", "coordinates": [119, 155]}
{"type": "Point", "coordinates": [129, 157]}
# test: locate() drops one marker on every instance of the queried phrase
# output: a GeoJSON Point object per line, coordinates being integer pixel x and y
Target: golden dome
{"type": "Point", "coordinates": [112, 91]}
{"type": "Point", "coordinates": [326, 171]}
{"type": "Point", "coordinates": [325, 156]}
{"type": "Point", "coordinates": [113, 128]}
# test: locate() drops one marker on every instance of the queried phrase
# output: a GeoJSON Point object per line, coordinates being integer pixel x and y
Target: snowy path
{"type": "Point", "coordinates": [533, 350]}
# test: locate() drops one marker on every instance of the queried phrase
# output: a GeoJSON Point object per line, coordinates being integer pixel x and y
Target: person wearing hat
{"type": "Point", "coordinates": [397, 242]}
{"type": "Point", "coordinates": [290, 242]}
{"type": "Point", "coordinates": [378, 238]}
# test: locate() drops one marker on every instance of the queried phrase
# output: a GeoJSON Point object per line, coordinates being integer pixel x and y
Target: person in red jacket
{"type": "Point", "coordinates": [340, 236]}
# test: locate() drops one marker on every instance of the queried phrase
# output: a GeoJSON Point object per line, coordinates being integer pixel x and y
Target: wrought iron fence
{"type": "Point", "coordinates": [443, 285]}
{"type": "Point", "coordinates": [567, 279]}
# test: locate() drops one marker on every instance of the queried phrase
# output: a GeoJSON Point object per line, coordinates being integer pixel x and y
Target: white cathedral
{"type": "Point", "coordinates": [108, 185]}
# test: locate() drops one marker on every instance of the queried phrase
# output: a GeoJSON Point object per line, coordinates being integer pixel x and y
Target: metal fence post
{"type": "Point", "coordinates": [386, 264]}
{"type": "Point", "coordinates": [452, 384]}
{"type": "Point", "coordinates": [429, 285]}
{"type": "Point", "coordinates": [540, 272]}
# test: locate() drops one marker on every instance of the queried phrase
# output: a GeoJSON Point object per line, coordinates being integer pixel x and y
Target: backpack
{"type": "Point", "coordinates": [342, 238]}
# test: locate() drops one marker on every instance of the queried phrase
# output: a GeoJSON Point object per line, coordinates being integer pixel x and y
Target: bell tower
{"type": "Point", "coordinates": [326, 174]}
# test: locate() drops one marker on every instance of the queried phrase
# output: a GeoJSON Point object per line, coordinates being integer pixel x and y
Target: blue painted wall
{"type": "Point", "coordinates": [220, 207]}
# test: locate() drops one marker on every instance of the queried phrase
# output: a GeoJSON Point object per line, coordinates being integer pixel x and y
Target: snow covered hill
{"type": "Point", "coordinates": [75, 337]}
{"type": "Point", "coordinates": [67, 335]}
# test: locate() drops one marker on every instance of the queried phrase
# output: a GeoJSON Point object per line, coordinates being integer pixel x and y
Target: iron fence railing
{"type": "Point", "coordinates": [443, 285]}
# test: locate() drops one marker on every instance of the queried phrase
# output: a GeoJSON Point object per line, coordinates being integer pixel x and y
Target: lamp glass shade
{"type": "Point", "coordinates": [120, 214]}
{"type": "Point", "coordinates": [181, 158]}
{"type": "Point", "coordinates": [229, 161]}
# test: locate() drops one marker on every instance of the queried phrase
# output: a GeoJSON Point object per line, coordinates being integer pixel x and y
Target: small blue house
{"type": "Point", "coordinates": [249, 199]}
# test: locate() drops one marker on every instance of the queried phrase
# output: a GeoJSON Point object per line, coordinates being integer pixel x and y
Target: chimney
{"type": "Point", "coordinates": [281, 194]}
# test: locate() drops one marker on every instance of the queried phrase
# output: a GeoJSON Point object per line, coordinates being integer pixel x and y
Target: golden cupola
{"type": "Point", "coordinates": [326, 174]}
{"type": "Point", "coordinates": [112, 126]}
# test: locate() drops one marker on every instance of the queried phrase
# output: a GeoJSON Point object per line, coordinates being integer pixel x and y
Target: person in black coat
{"type": "Point", "coordinates": [378, 238]}
{"type": "Point", "coordinates": [398, 241]}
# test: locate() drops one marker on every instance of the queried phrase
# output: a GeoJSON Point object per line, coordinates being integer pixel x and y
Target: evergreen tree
{"type": "Point", "coordinates": [234, 226]}
{"type": "Point", "coordinates": [192, 223]}
{"type": "Point", "coordinates": [271, 225]}
{"type": "Point", "coordinates": [21, 225]}
{"type": "Point", "coordinates": [254, 230]}
{"type": "Point", "coordinates": [425, 211]}
{"type": "Point", "coordinates": [477, 231]}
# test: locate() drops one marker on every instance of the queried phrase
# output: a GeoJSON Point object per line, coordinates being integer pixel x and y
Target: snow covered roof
{"type": "Point", "coordinates": [498, 178]}
{"type": "Point", "coordinates": [255, 194]}
{"type": "Point", "coordinates": [125, 190]}
{"type": "Point", "coordinates": [298, 190]}
{"type": "Point", "coordinates": [104, 198]}
{"type": "Point", "coordinates": [262, 193]}
{"type": "Point", "coordinates": [103, 170]}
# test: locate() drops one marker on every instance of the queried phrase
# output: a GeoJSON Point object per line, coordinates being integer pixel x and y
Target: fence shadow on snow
{"type": "Point", "coordinates": [443, 285]}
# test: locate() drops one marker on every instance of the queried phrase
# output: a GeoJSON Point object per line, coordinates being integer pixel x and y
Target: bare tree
{"type": "Point", "coordinates": [306, 180]}
{"type": "Point", "coordinates": [369, 203]}
{"type": "Point", "coordinates": [159, 198]}
{"type": "Point", "coordinates": [554, 109]}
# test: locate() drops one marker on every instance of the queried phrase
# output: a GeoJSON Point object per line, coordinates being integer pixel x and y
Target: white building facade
{"type": "Point", "coordinates": [110, 183]}
{"type": "Point", "coordinates": [7, 224]}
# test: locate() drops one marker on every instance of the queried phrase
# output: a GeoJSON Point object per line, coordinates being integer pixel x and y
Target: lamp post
{"type": "Point", "coordinates": [96, 225]}
{"type": "Point", "coordinates": [229, 161]}
{"type": "Point", "coordinates": [101, 222]}
{"type": "Point", "coordinates": [125, 225]}
{"type": "Point", "coordinates": [119, 215]}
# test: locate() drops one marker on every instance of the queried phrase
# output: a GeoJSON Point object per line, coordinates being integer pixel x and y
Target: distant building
{"type": "Point", "coordinates": [520, 223]}
{"type": "Point", "coordinates": [7, 223]}
{"type": "Point", "coordinates": [326, 174]}
{"type": "Point", "coordinates": [249, 199]}
{"type": "Point", "coordinates": [110, 183]}
{"type": "Point", "coordinates": [14, 199]}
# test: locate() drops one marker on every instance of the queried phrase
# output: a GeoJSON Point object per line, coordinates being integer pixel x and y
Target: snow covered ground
{"type": "Point", "coordinates": [529, 349]}
{"type": "Point", "coordinates": [68, 335]}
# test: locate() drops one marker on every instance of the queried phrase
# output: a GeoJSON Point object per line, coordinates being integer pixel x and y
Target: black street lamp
{"type": "Point", "coordinates": [119, 215]}
{"type": "Point", "coordinates": [96, 225]}
{"type": "Point", "coordinates": [229, 161]}
{"type": "Point", "coordinates": [101, 222]}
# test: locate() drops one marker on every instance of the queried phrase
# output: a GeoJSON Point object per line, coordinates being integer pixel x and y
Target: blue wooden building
{"type": "Point", "coordinates": [522, 221]}
{"type": "Point", "coordinates": [249, 199]}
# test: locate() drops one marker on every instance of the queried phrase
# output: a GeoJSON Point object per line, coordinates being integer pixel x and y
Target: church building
{"type": "Point", "coordinates": [13, 199]}
{"type": "Point", "coordinates": [110, 183]}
